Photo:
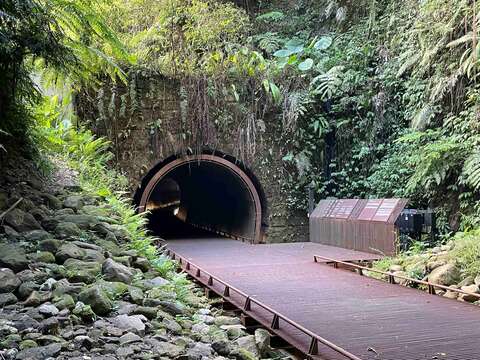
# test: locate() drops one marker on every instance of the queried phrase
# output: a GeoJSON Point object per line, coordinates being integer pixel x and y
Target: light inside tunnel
{"type": "Point", "coordinates": [203, 195]}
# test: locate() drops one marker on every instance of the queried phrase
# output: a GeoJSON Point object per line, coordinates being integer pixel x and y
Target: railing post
{"type": "Point", "coordinates": [188, 266]}
{"type": "Point", "coordinates": [360, 272]}
{"type": "Point", "coordinates": [313, 350]}
{"type": "Point", "coordinates": [210, 281]}
{"type": "Point", "coordinates": [197, 274]}
{"type": "Point", "coordinates": [226, 292]}
{"type": "Point", "coordinates": [248, 304]}
{"type": "Point", "coordinates": [431, 289]}
{"type": "Point", "coordinates": [391, 279]}
{"type": "Point", "coordinates": [275, 322]}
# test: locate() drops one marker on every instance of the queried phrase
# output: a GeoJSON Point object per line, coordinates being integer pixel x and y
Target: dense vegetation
{"type": "Point", "coordinates": [49, 49]}
{"type": "Point", "coordinates": [374, 98]}
{"type": "Point", "coordinates": [390, 107]}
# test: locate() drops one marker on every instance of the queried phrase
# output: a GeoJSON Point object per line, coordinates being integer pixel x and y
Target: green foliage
{"type": "Point", "coordinates": [65, 35]}
{"type": "Point", "coordinates": [380, 102]}
{"type": "Point", "coordinates": [465, 252]}
{"type": "Point", "coordinates": [180, 38]}
{"type": "Point", "coordinates": [438, 159]}
{"type": "Point", "coordinates": [271, 16]}
{"type": "Point", "coordinates": [24, 31]}
{"type": "Point", "coordinates": [390, 176]}
{"type": "Point", "coordinates": [90, 157]}
{"type": "Point", "coordinates": [268, 42]}
{"type": "Point", "coordinates": [471, 170]}
{"type": "Point", "coordinates": [298, 54]}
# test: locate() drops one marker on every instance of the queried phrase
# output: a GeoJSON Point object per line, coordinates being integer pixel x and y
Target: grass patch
{"type": "Point", "coordinates": [466, 252]}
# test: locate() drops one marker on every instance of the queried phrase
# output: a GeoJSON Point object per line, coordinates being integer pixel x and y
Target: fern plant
{"type": "Point", "coordinates": [326, 85]}
{"type": "Point", "coordinates": [271, 16]}
{"type": "Point", "coordinates": [69, 36]}
{"type": "Point", "coordinates": [269, 41]}
{"type": "Point", "coordinates": [471, 170]}
{"type": "Point", "coordinates": [438, 157]}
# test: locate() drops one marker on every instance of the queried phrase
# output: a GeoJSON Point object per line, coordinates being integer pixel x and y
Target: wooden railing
{"type": "Point", "coordinates": [391, 276]}
{"type": "Point", "coordinates": [197, 272]}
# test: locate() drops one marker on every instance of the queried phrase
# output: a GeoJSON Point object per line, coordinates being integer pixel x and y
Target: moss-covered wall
{"type": "Point", "coordinates": [144, 122]}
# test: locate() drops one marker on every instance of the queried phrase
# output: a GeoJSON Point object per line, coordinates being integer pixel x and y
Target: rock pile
{"type": "Point", "coordinates": [437, 267]}
{"type": "Point", "coordinates": [71, 289]}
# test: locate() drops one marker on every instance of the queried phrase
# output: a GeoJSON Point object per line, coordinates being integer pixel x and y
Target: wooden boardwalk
{"type": "Point", "coordinates": [370, 319]}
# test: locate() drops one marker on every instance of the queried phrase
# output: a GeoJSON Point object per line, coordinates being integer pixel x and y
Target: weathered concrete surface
{"type": "Point", "coordinates": [145, 122]}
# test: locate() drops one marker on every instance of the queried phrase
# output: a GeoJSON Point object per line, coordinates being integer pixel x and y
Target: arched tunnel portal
{"type": "Point", "coordinates": [208, 192]}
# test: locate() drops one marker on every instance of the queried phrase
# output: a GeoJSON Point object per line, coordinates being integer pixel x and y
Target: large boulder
{"type": "Point", "coordinates": [40, 353]}
{"type": "Point", "coordinates": [13, 257]}
{"type": "Point", "coordinates": [129, 338]}
{"type": "Point", "coordinates": [199, 351]}
{"type": "Point", "coordinates": [248, 343]}
{"type": "Point", "coordinates": [48, 310]}
{"type": "Point", "coordinates": [37, 235]}
{"type": "Point", "coordinates": [114, 289]}
{"type": "Point", "coordinates": [147, 311]}
{"type": "Point", "coordinates": [133, 323]}
{"type": "Point", "coordinates": [66, 230]}
{"type": "Point", "coordinates": [63, 287]}
{"type": "Point", "coordinates": [69, 250]}
{"type": "Point", "coordinates": [119, 231]}
{"type": "Point", "coordinates": [38, 297]}
{"type": "Point", "coordinates": [142, 264]}
{"type": "Point", "coordinates": [447, 274]}
{"type": "Point", "coordinates": [113, 271]}
{"type": "Point", "coordinates": [42, 257]}
{"type": "Point", "coordinates": [94, 255]}
{"type": "Point", "coordinates": [7, 299]}
{"type": "Point", "coordinates": [172, 326]}
{"type": "Point", "coordinates": [23, 322]}
{"type": "Point", "coordinates": [21, 221]}
{"type": "Point", "coordinates": [166, 349]}
{"type": "Point", "coordinates": [9, 282]}
{"type": "Point", "coordinates": [82, 271]}
{"type": "Point", "coordinates": [26, 288]}
{"type": "Point", "coordinates": [74, 202]}
{"type": "Point", "coordinates": [83, 221]}
{"type": "Point", "coordinates": [173, 308]}
{"type": "Point", "coordinates": [83, 311]}
{"type": "Point", "coordinates": [50, 245]}
{"type": "Point", "coordinates": [226, 320]}
{"type": "Point", "coordinates": [52, 201]}
{"type": "Point", "coordinates": [262, 339]}
{"type": "Point", "coordinates": [472, 290]}
{"type": "Point", "coordinates": [97, 210]}
{"type": "Point", "coordinates": [135, 294]}
{"type": "Point", "coordinates": [155, 282]}
{"type": "Point", "coordinates": [64, 301]}
{"type": "Point", "coordinates": [97, 299]}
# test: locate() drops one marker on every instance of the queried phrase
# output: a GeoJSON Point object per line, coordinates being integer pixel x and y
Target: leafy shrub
{"type": "Point", "coordinates": [466, 252]}
{"type": "Point", "coordinates": [68, 36]}
{"type": "Point", "coordinates": [90, 157]}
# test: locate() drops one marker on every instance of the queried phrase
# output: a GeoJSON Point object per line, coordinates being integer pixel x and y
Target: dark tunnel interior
{"type": "Point", "coordinates": [200, 198]}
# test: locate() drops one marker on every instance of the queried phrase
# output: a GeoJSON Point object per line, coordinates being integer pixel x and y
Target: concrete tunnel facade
{"type": "Point", "coordinates": [210, 191]}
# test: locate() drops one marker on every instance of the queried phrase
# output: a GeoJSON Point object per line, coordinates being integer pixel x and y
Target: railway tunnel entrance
{"type": "Point", "coordinates": [198, 195]}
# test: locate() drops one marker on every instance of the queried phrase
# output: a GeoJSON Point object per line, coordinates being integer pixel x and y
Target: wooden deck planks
{"type": "Point", "coordinates": [367, 317]}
